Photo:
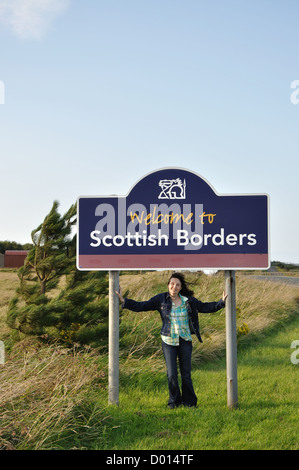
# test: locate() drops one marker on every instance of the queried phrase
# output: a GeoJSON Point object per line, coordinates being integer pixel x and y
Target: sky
{"type": "Point", "coordinates": [96, 94]}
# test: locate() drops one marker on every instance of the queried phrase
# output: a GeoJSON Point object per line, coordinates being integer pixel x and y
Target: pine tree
{"type": "Point", "coordinates": [54, 299]}
{"type": "Point", "coordinates": [82, 308]}
{"type": "Point", "coordinates": [53, 253]}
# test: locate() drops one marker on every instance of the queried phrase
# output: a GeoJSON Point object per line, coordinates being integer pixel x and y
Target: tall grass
{"type": "Point", "coordinates": [45, 399]}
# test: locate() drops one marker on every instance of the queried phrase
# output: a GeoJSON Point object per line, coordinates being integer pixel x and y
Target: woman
{"type": "Point", "coordinates": [179, 313]}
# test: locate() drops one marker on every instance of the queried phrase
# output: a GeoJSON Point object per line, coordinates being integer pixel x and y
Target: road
{"type": "Point", "coordinates": [281, 279]}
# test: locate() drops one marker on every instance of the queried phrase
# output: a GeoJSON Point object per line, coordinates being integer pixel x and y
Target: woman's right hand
{"type": "Point", "coordinates": [119, 295]}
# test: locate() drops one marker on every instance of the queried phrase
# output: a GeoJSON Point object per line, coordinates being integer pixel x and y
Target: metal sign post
{"type": "Point", "coordinates": [231, 340]}
{"type": "Point", "coordinates": [113, 366]}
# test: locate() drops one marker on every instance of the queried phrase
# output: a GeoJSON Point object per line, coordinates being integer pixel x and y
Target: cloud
{"type": "Point", "coordinates": [31, 18]}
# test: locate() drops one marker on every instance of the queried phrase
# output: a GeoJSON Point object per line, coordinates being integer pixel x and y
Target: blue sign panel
{"type": "Point", "coordinates": [173, 219]}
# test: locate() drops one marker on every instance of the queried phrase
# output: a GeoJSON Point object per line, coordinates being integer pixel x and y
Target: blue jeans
{"type": "Point", "coordinates": [183, 354]}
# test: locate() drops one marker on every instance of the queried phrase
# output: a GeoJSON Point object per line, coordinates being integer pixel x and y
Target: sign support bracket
{"type": "Point", "coordinates": [231, 340]}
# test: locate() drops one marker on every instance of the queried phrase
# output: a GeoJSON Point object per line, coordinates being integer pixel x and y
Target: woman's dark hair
{"type": "Point", "coordinates": [185, 290]}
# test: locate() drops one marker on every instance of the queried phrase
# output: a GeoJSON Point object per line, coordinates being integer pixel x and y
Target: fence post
{"type": "Point", "coordinates": [113, 376]}
{"type": "Point", "coordinates": [231, 340]}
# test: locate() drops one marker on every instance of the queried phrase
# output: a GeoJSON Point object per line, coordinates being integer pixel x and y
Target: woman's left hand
{"type": "Point", "coordinates": [224, 296]}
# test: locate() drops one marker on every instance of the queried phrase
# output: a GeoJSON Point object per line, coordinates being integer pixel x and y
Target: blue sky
{"type": "Point", "coordinates": [96, 94]}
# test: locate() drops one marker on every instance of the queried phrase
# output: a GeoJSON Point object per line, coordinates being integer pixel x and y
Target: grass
{"type": "Point", "coordinates": [52, 397]}
{"type": "Point", "coordinates": [9, 281]}
{"type": "Point", "coordinates": [45, 398]}
{"type": "Point", "coordinates": [267, 417]}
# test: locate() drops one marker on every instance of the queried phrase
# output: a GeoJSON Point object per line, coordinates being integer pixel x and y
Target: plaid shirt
{"type": "Point", "coordinates": [162, 303]}
{"type": "Point", "coordinates": [179, 324]}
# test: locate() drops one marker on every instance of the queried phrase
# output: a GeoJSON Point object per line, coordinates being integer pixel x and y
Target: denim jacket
{"type": "Point", "coordinates": [162, 303]}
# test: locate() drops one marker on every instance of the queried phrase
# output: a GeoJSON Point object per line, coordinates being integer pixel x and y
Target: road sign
{"type": "Point", "coordinates": [173, 218]}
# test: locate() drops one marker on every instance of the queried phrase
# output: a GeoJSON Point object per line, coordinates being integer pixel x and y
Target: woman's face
{"type": "Point", "coordinates": [174, 286]}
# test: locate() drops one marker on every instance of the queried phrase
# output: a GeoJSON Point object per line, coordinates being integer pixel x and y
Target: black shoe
{"type": "Point", "coordinates": [172, 406]}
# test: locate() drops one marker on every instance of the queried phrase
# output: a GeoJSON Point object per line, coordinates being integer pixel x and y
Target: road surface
{"type": "Point", "coordinates": [281, 279]}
